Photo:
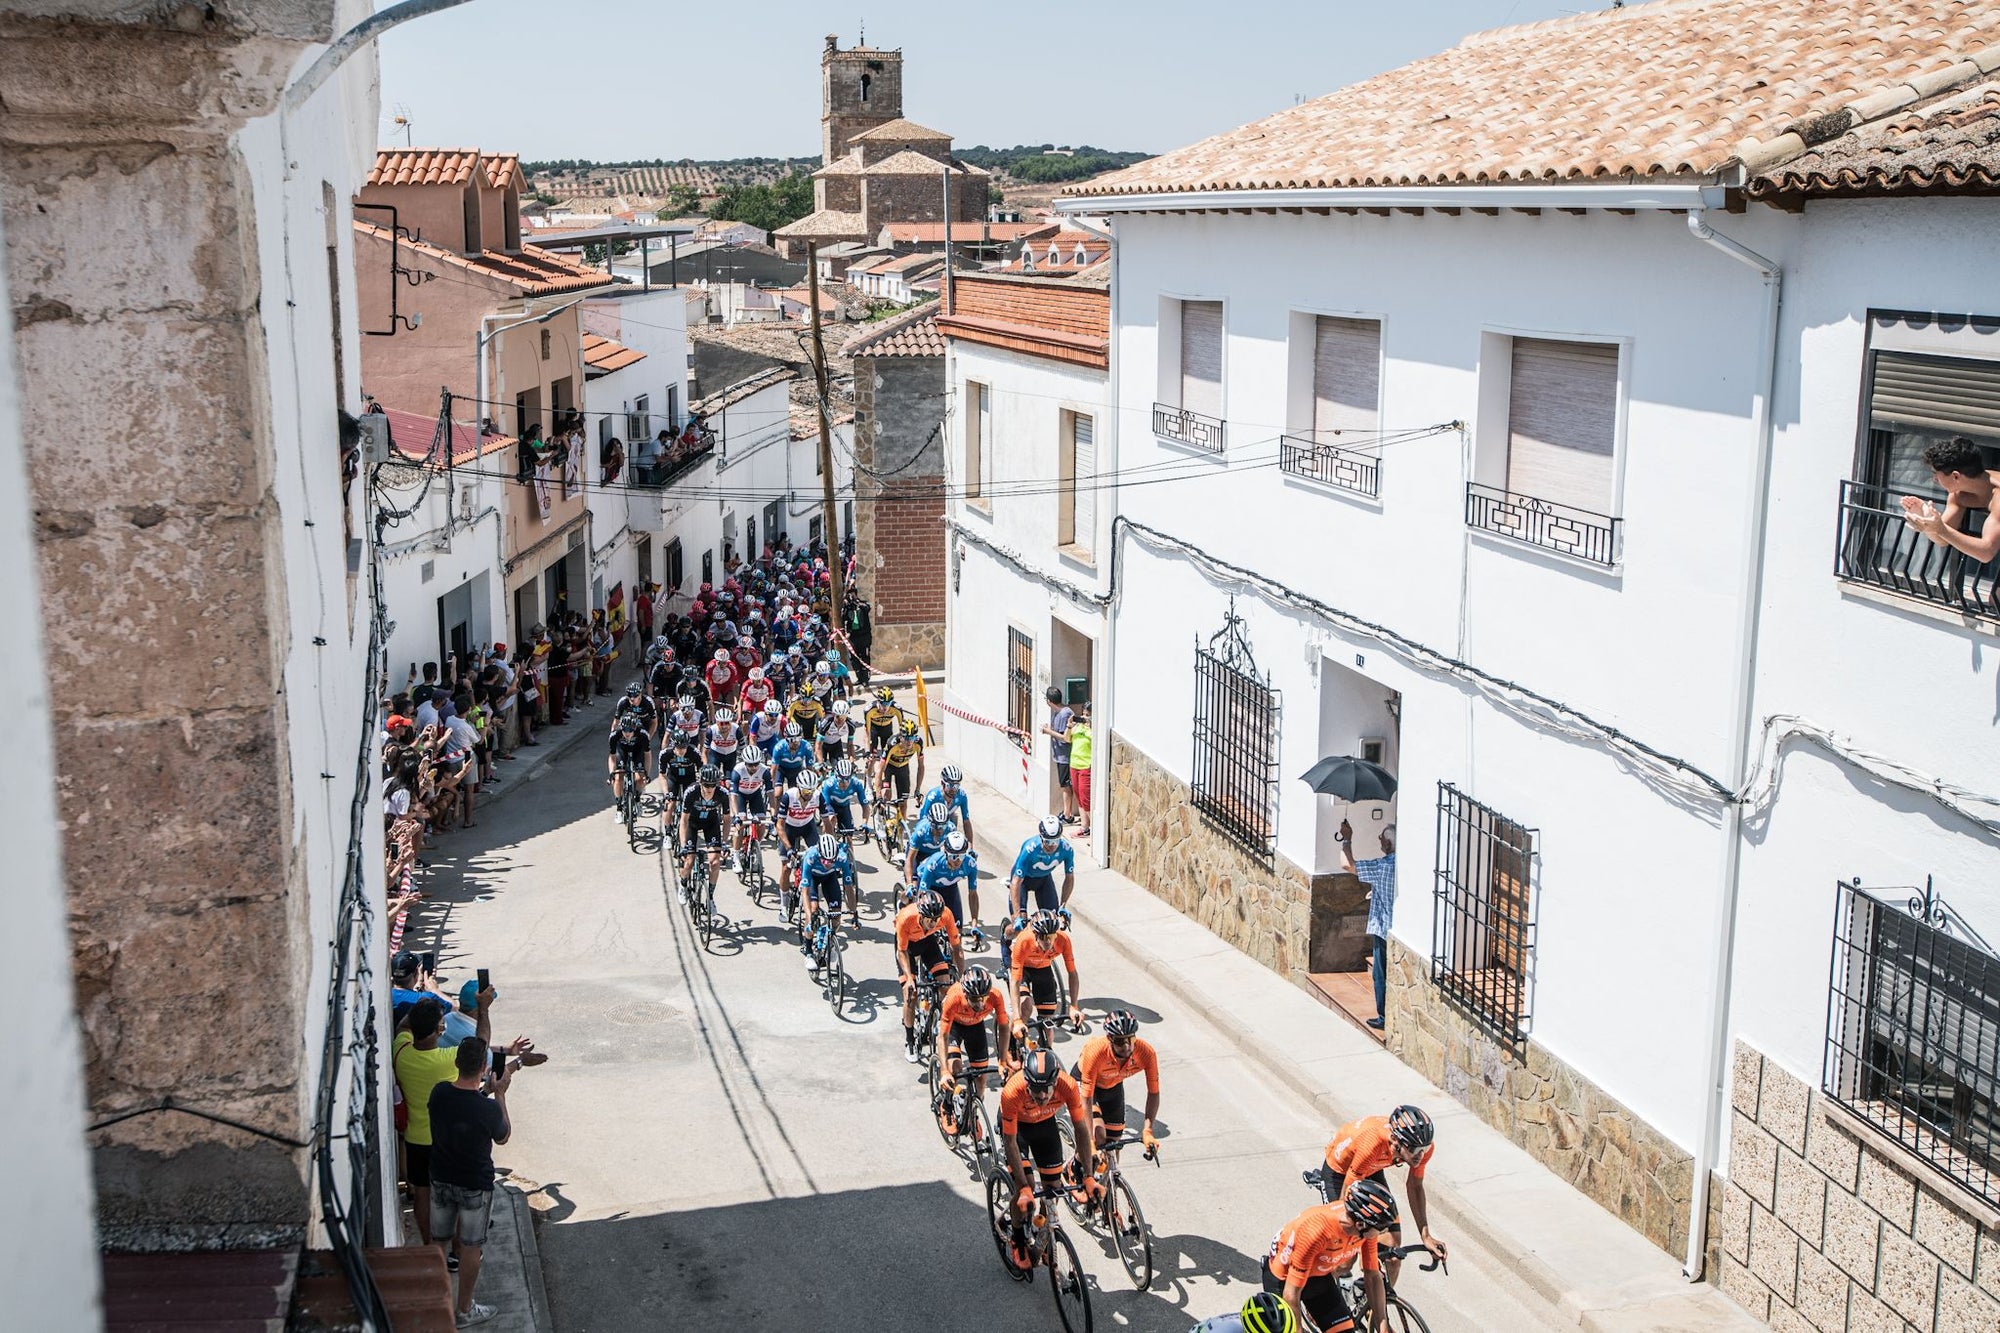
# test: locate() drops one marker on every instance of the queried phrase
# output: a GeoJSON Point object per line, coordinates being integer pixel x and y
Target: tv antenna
{"type": "Point", "coordinates": [401, 120]}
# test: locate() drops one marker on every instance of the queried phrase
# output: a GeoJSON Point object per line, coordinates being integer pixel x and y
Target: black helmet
{"type": "Point", "coordinates": [1121, 1023]}
{"type": "Point", "coordinates": [976, 984]}
{"type": "Point", "coordinates": [929, 906]}
{"type": "Point", "coordinates": [632, 690]}
{"type": "Point", "coordinates": [1411, 1129]}
{"type": "Point", "coordinates": [1040, 1069]}
{"type": "Point", "coordinates": [1370, 1206]}
{"type": "Point", "coordinates": [709, 775]}
{"type": "Point", "coordinates": [1045, 923]}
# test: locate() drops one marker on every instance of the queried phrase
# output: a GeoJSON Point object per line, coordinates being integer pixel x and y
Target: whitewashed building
{"type": "Point", "coordinates": [1477, 440]}
{"type": "Point", "coordinates": [1029, 384]}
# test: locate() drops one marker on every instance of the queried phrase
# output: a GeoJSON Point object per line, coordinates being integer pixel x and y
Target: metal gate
{"type": "Point", "coordinates": [1235, 779]}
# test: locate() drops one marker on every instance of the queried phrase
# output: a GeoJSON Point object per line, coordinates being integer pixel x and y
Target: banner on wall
{"type": "Point", "coordinates": [614, 609]}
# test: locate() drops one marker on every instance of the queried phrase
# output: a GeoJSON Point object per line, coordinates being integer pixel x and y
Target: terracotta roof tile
{"type": "Point", "coordinates": [965, 233]}
{"type": "Point", "coordinates": [1670, 88]}
{"type": "Point", "coordinates": [413, 434]}
{"type": "Point", "coordinates": [1951, 146]}
{"type": "Point", "coordinates": [534, 271]}
{"type": "Point", "coordinates": [912, 333]}
{"type": "Point", "coordinates": [902, 131]}
{"type": "Point", "coordinates": [910, 162]}
{"type": "Point", "coordinates": [502, 169]}
{"type": "Point", "coordinates": [1064, 320]}
{"type": "Point", "coordinates": [826, 222]}
{"type": "Point", "coordinates": [423, 166]}
{"type": "Point", "coordinates": [605, 355]}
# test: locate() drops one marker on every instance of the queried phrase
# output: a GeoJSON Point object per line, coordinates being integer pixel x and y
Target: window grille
{"type": "Point", "coordinates": [1235, 781]}
{"type": "Point", "coordinates": [1913, 1029]}
{"type": "Point", "coordinates": [1483, 931]}
{"type": "Point", "coordinates": [1020, 685]}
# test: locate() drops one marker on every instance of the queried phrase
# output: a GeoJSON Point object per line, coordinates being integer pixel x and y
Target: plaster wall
{"type": "Point", "coordinates": [899, 420]}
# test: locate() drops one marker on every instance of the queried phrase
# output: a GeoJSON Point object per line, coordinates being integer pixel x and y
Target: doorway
{"type": "Point", "coordinates": [1070, 656]}
{"type": "Point", "coordinates": [524, 612]}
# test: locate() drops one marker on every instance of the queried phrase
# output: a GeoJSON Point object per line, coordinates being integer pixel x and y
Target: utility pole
{"type": "Point", "coordinates": [949, 308]}
{"type": "Point", "coordinates": [832, 524]}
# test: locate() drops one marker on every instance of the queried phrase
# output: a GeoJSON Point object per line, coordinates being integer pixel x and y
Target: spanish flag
{"type": "Point", "coordinates": [924, 709]}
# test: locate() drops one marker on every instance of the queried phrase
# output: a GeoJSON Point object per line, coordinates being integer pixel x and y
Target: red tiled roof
{"type": "Point", "coordinates": [423, 166]}
{"type": "Point", "coordinates": [912, 333]}
{"type": "Point", "coordinates": [1951, 146]}
{"type": "Point", "coordinates": [533, 272]}
{"type": "Point", "coordinates": [901, 131]}
{"type": "Point", "coordinates": [1062, 319]}
{"type": "Point", "coordinates": [502, 169]}
{"type": "Point", "coordinates": [414, 432]}
{"type": "Point", "coordinates": [605, 355]}
{"type": "Point", "coordinates": [1686, 88]}
{"type": "Point", "coordinates": [826, 222]}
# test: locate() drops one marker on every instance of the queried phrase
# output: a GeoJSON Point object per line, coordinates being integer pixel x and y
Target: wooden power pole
{"type": "Point", "coordinates": [832, 523]}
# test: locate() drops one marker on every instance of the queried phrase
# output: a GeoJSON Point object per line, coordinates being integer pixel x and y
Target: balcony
{"type": "Point", "coordinates": [1877, 549]}
{"type": "Point", "coordinates": [1192, 430]}
{"type": "Point", "coordinates": [1330, 465]}
{"type": "Point", "coordinates": [1564, 529]}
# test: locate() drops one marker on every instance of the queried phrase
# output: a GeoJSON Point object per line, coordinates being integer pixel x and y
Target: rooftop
{"type": "Point", "coordinates": [533, 272]}
{"type": "Point", "coordinates": [504, 169]}
{"type": "Point", "coordinates": [1951, 146]}
{"type": "Point", "coordinates": [1063, 319]}
{"type": "Point", "coordinates": [424, 166]}
{"type": "Point", "coordinates": [742, 389]}
{"type": "Point", "coordinates": [910, 162]}
{"type": "Point", "coordinates": [964, 233]}
{"type": "Point", "coordinates": [1674, 88]}
{"type": "Point", "coordinates": [605, 355]}
{"type": "Point", "coordinates": [413, 434]}
{"type": "Point", "coordinates": [827, 222]}
{"type": "Point", "coordinates": [902, 131]}
{"type": "Point", "coordinates": [912, 333]}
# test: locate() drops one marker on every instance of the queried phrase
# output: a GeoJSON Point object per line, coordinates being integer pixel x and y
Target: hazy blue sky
{"type": "Point", "coordinates": [619, 79]}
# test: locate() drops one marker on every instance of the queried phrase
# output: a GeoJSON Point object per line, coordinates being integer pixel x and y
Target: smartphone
{"type": "Point", "coordinates": [499, 1062]}
{"type": "Point", "coordinates": [482, 978]}
{"type": "Point", "coordinates": [429, 962]}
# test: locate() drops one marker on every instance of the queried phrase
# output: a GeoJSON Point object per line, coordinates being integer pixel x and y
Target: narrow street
{"type": "Point", "coordinates": [709, 1143]}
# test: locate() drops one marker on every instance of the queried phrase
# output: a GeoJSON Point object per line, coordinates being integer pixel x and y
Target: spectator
{"type": "Point", "coordinates": [1959, 468]}
{"type": "Point", "coordinates": [421, 1065]}
{"type": "Point", "coordinates": [1057, 730]}
{"type": "Point", "coordinates": [1080, 748]}
{"type": "Point", "coordinates": [558, 672]}
{"type": "Point", "coordinates": [611, 458]}
{"type": "Point", "coordinates": [457, 764]}
{"type": "Point", "coordinates": [601, 651]}
{"type": "Point", "coordinates": [647, 455]}
{"type": "Point", "coordinates": [1379, 874]}
{"type": "Point", "coordinates": [466, 1125]}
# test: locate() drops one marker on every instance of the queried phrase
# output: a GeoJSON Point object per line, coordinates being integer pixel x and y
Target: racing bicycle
{"type": "Point", "coordinates": [1046, 1244]}
{"type": "Point", "coordinates": [1117, 1212]}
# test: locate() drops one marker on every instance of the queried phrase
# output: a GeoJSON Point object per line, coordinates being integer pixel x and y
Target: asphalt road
{"type": "Point", "coordinates": [710, 1147]}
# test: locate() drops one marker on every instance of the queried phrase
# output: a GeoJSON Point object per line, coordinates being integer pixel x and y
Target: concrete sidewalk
{"type": "Point", "coordinates": [1591, 1268]}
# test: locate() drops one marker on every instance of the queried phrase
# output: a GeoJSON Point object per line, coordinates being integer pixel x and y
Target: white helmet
{"type": "Point", "coordinates": [840, 708]}
{"type": "Point", "coordinates": [1050, 828]}
{"type": "Point", "coordinates": [955, 844]}
{"type": "Point", "coordinates": [757, 673]}
{"type": "Point", "coordinates": [725, 715]}
{"type": "Point", "coordinates": [820, 668]}
{"type": "Point", "coordinates": [829, 846]}
{"type": "Point", "coordinates": [771, 708]}
{"type": "Point", "coordinates": [752, 755]}
{"type": "Point", "coordinates": [721, 654]}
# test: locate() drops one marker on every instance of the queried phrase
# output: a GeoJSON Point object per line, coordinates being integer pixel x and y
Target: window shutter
{"type": "Point", "coordinates": [1201, 357]}
{"type": "Point", "coordinates": [1347, 375]}
{"type": "Point", "coordinates": [1936, 395]}
{"type": "Point", "coordinates": [975, 424]}
{"type": "Point", "coordinates": [1562, 422]}
{"type": "Point", "coordinates": [1083, 445]}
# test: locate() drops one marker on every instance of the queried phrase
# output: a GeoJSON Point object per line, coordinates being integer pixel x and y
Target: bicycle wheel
{"type": "Point", "coordinates": [836, 972]}
{"type": "Point", "coordinates": [630, 803]}
{"type": "Point", "coordinates": [753, 872]}
{"type": "Point", "coordinates": [707, 910]}
{"type": "Point", "coordinates": [1403, 1317]}
{"type": "Point", "coordinates": [954, 1107]}
{"type": "Point", "coordinates": [1129, 1235]}
{"type": "Point", "coordinates": [986, 1142]}
{"type": "Point", "coordinates": [1067, 1282]}
{"type": "Point", "coordinates": [1068, 1135]}
{"type": "Point", "coordinates": [999, 1194]}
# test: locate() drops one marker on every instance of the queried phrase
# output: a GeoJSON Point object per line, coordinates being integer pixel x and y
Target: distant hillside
{"type": "Point", "coordinates": [578, 178]}
{"type": "Point", "coordinates": [1035, 164]}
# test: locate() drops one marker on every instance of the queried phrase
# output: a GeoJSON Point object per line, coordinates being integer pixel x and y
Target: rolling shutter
{"type": "Point", "coordinates": [1935, 395]}
{"type": "Point", "coordinates": [1083, 444]}
{"type": "Point", "coordinates": [1347, 366]}
{"type": "Point", "coordinates": [1201, 357]}
{"type": "Point", "coordinates": [1562, 422]}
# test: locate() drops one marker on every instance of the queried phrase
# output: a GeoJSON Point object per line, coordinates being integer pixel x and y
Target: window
{"type": "Point", "coordinates": [638, 425]}
{"type": "Point", "coordinates": [676, 564]}
{"type": "Point", "coordinates": [708, 566]}
{"type": "Point", "coordinates": [977, 422]}
{"type": "Point", "coordinates": [1335, 403]}
{"type": "Point", "coordinates": [1235, 780]}
{"type": "Point", "coordinates": [1913, 1030]}
{"type": "Point", "coordinates": [1201, 357]}
{"type": "Point", "coordinates": [1020, 685]}
{"type": "Point", "coordinates": [548, 341]}
{"type": "Point", "coordinates": [1188, 411]}
{"type": "Point", "coordinates": [1562, 422]}
{"type": "Point", "coordinates": [674, 408]}
{"type": "Point", "coordinates": [1076, 517]}
{"type": "Point", "coordinates": [1482, 933]}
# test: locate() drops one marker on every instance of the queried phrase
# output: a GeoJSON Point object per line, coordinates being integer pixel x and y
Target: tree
{"type": "Point", "coordinates": [766, 207]}
{"type": "Point", "coordinates": [681, 200]}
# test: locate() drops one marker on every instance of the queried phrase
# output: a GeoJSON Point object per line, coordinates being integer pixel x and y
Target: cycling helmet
{"type": "Point", "coordinates": [795, 651]}
{"type": "Point", "coordinates": [829, 846]}
{"type": "Point", "coordinates": [820, 668]}
{"type": "Point", "coordinates": [725, 715]}
{"type": "Point", "coordinates": [955, 844]}
{"type": "Point", "coordinates": [950, 776]}
{"type": "Point", "coordinates": [843, 768]}
{"type": "Point", "coordinates": [909, 727]}
{"type": "Point", "coordinates": [721, 654]}
{"type": "Point", "coordinates": [886, 695]}
{"type": "Point", "coordinates": [793, 731]}
{"type": "Point", "coordinates": [685, 701]}
{"type": "Point", "coordinates": [756, 673]}
{"type": "Point", "coordinates": [1045, 924]}
{"type": "Point", "coordinates": [752, 755]}
{"type": "Point", "coordinates": [1121, 1024]}
{"type": "Point", "coordinates": [1411, 1129]}
{"type": "Point", "coordinates": [929, 906]}
{"type": "Point", "coordinates": [1370, 1206]}
{"type": "Point", "coordinates": [1039, 1072]}
{"type": "Point", "coordinates": [976, 984]}
{"type": "Point", "coordinates": [709, 775]}
{"type": "Point", "coordinates": [1266, 1312]}
{"type": "Point", "coordinates": [841, 708]}
{"type": "Point", "coordinates": [633, 690]}
{"type": "Point", "coordinates": [805, 689]}
{"type": "Point", "coordinates": [809, 777]}
{"type": "Point", "coordinates": [771, 708]}
{"type": "Point", "coordinates": [681, 741]}
{"type": "Point", "coordinates": [1050, 828]}
{"type": "Point", "coordinates": [937, 812]}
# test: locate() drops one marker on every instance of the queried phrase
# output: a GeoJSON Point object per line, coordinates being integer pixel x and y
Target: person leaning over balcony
{"type": "Point", "coordinates": [647, 456]}
{"type": "Point", "coordinates": [1959, 468]}
{"type": "Point", "coordinates": [611, 458]}
{"type": "Point", "coordinates": [1379, 874]}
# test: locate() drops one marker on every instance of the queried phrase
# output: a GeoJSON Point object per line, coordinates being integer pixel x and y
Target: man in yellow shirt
{"type": "Point", "coordinates": [421, 1064]}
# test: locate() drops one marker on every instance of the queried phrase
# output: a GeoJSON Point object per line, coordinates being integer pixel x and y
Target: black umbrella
{"type": "Point", "coordinates": [1350, 779]}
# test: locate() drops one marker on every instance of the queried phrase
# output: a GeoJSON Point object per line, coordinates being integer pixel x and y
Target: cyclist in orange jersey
{"type": "Point", "coordinates": [926, 945]}
{"type": "Point", "coordinates": [1036, 951]}
{"type": "Point", "coordinates": [1029, 1104]}
{"type": "Point", "coordinates": [1107, 1061]}
{"type": "Point", "coordinates": [1310, 1251]}
{"type": "Point", "coordinates": [1367, 1148]}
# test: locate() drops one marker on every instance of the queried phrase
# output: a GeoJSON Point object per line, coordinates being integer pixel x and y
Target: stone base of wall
{"type": "Point", "coordinates": [908, 647]}
{"type": "Point", "coordinates": [1825, 1224]}
{"type": "Point", "coordinates": [1558, 1117]}
{"type": "Point", "coordinates": [1160, 841]}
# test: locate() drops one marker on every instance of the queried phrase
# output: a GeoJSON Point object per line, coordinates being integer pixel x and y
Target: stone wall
{"type": "Point", "coordinates": [1826, 1224]}
{"type": "Point", "coordinates": [1160, 841]}
{"type": "Point", "coordinates": [1557, 1116]}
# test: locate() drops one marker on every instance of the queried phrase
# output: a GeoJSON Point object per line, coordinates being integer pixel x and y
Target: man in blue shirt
{"type": "Point", "coordinates": [826, 873]}
{"type": "Point", "coordinates": [951, 791]}
{"type": "Point", "coordinates": [1379, 874]}
{"type": "Point", "coordinates": [791, 755]}
{"type": "Point", "coordinates": [839, 792]}
{"type": "Point", "coordinates": [952, 869]}
{"type": "Point", "coordinates": [1034, 871]}
{"type": "Point", "coordinates": [926, 837]}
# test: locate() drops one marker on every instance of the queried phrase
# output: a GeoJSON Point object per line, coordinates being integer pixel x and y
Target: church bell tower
{"type": "Point", "coordinates": [859, 88]}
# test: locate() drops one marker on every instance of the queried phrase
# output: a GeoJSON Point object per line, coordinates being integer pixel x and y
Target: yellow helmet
{"type": "Point", "coordinates": [1266, 1312]}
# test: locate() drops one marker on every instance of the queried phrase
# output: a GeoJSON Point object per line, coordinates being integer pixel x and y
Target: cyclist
{"type": "Point", "coordinates": [1029, 1104]}
{"type": "Point", "coordinates": [766, 726]}
{"type": "Point", "coordinates": [1264, 1312]}
{"type": "Point", "coordinates": [838, 794]}
{"type": "Point", "coordinates": [663, 677]}
{"type": "Point", "coordinates": [721, 676]}
{"type": "Point", "coordinates": [835, 731]}
{"type": "Point", "coordinates": [1034, 871]}
{"type": "Point", "coordinates": [702, 810]}
{"type": "Point", "coordinates": [1313, 1247]}
{"type": "Point", "coordinates": [792, 756]}
{"type": "Point", "coordinates": [629, 745]}
{"type": "Point", "coordinates": [843, 679]}
{"type": "Point", "coordinates": [926, 943]}
{"type": "Point", "coordinates": [926, 837]}
{"type": "Point", "coordinates": [678, 766]}
{"type": "Point", "coordinates": [749, 788]}
{"type": "Point", "coordinates": [798, 813]}
{"type": "Point", "coordinates": [881, 717]}
{"type": "Point", "coordinates": [826, 875]}
{"type": "Point", "coordinates": [951, 791]}
{"type": "Point", "coordinates": [725, 738]}
{"type": "Point", "coordinates": [806, 709]}
{"type": "Point", "coordinates": [1367, 1148]}
{"type": "Point", "coordinates": [636, 704]}
{"type": "Point", "coordinates": [687, 715]}
{"type": "Point", "coordinates": [1107, 1061]}
{"type": "Point", "coordinates": [953, 871]}
{"type": "Point", "coordinates": [1038, 942]}
{"type": "Point", "coordinates": [962, 1048]}
{"type": "Point", "coordinates": [756, 692]}
{"type": "Point", "coordinates": [893, 764]}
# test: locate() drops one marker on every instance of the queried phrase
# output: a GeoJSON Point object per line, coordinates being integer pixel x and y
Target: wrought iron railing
{"type": "Point", "coordinates": [1877, 548]}
{"type": "Point", "coordinates": [1913, 1030]}
{"type": "Point", "coordinates": [1483, 930]}
{"type": "Point", "coordinates": [1192, 429]}
{"type": "Point", "coordinates": [678, 462]}
{"type": "Point", "coordinates": [1235, 781]}
{"type": "Point", "coordinates": [1544, 523]}
{"type": "Point", "coordinates": [1328, 463]}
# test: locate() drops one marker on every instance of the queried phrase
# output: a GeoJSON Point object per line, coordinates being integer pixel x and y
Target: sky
{"type": "Point", "coordinates": [613, 80]}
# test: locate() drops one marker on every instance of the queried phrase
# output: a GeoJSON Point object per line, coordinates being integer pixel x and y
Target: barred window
{"type": "Point", "coordinates": [1235, 782]}
{"type": "Point", "coordinates": [1482, 933]}
{"type": "Point", "coordinates": [1913, 1030]}
{"type": "Point", "coordinates": [1020, 685]}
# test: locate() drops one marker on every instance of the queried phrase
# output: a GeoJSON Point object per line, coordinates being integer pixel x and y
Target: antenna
{"type": "Point", "coordinates": [863, 41]}
{"type": "Point", "coordinates": [401, 120]}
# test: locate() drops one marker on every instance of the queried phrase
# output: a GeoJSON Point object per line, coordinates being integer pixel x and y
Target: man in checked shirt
{"type": "Point", "coordinates": [1379, 874]}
